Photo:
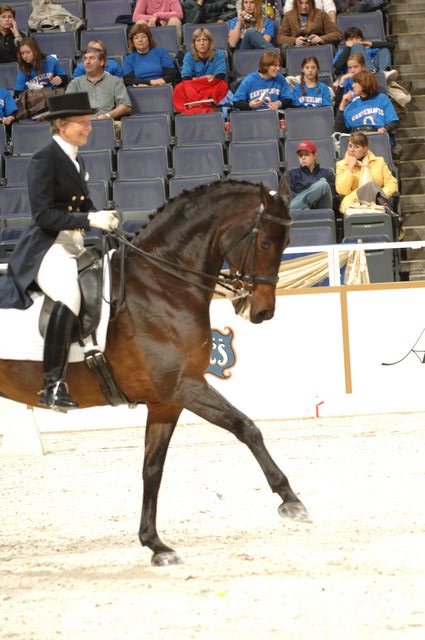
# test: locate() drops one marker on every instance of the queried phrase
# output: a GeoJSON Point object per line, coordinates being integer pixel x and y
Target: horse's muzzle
{"type": "Point", "coordinates": [260, 316]}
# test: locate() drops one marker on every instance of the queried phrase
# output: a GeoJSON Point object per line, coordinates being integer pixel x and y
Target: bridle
{"type": "Point", "coordinates": [225, 280]}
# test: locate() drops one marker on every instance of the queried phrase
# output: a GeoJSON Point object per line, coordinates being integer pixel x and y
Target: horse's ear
{"type": "Point", "coordinates": [266, 196]}
{"type": "Point", "coordinates": [284, 190]}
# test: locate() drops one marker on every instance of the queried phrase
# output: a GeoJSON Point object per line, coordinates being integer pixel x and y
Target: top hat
{"type": "Point", "coordinates": [68, 104]}
{"type": "Point", "coordinates": [306, 145]}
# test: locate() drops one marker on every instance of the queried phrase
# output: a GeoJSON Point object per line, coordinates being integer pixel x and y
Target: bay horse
{"type": "Point", "coordinates": [159, 343]}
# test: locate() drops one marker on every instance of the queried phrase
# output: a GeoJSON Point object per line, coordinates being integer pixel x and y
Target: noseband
{"type": "Point", "coordinates": [250, 249]}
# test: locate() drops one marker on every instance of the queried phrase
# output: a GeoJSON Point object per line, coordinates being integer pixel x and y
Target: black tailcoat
{"type": "Point", "coordinates": [59, 201]}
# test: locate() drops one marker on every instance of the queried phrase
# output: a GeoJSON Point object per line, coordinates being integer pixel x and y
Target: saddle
{"type": "Point", "coordinates": [90, 278]}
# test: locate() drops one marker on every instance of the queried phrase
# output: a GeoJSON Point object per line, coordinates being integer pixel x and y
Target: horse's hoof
{"type": "Point", "coordinates": [166, 558]}
{"type": "Point", "coordinates": [295, 511]}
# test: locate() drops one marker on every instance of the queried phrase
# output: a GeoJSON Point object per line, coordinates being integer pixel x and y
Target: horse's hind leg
{"type": "Point", "coordinates": [212, 406]}
{"type": "Point", "coordinates": [159, 429]}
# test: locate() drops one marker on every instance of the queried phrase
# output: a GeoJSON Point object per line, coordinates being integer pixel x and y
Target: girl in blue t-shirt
{"type": "Point", "coordinates": [310, 92]}
{"type": "Point", "coordinates": [251, 30]}
{"type": "Point", "coordinates": [266, 88]}
{"type": "Point", "coordinates": [35, 67]}
{"type": "Point", "coordinates": [7, 107]}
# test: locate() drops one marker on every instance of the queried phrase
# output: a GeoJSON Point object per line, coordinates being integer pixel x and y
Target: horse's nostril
{"type": "Point", "coordinates": [264, 314]}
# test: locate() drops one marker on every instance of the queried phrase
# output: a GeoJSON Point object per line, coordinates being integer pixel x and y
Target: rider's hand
{"type": "Point", "coordinates": [105, 220]}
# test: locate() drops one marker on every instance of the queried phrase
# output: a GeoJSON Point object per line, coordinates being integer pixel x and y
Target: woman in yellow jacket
{"type": "Point", "coordinates": [361, 168]}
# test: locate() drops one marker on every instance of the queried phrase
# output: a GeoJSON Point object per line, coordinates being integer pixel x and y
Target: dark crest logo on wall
{"type": "Point", "coordinates": [223, 356]}
{"type": "Point", "coordinates": [418, 349]}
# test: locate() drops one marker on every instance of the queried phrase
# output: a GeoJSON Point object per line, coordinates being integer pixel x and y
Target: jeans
{"type": "Point", "coordinates": [254, 40]}
{"type": "Point", "coordinates": [380, 61]}
{"type": "Point", "coordinates": [316, 196]}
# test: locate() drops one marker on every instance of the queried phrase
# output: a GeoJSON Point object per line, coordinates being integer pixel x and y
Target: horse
{"type": "Point", "coordinates": [159, 342]}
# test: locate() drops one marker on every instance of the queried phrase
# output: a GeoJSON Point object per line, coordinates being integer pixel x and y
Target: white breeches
{"type": "Point", "coordinates": [57, 276]}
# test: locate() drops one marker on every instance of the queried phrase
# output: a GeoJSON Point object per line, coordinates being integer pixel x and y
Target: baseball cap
{"type": "Point", "coordinates": [306, 145]}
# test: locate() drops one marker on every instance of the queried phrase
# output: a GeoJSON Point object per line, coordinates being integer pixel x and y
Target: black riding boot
{"type": "Point", "coordinates": [57, 343]}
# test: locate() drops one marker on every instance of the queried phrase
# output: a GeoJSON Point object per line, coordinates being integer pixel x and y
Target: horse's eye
{"type": "Point", "coordinates": [265, 245]}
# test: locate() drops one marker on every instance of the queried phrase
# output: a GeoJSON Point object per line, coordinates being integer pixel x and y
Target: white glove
{"type": "Point", "coordinates": [105, 220]}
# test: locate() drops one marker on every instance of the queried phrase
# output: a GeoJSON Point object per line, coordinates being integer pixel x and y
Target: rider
{"type": "Point", "coordinates": [46, 254]}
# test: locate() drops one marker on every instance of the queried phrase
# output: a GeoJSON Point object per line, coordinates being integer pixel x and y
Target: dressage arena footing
{"type": "Point", "coordinates": [71, 566]}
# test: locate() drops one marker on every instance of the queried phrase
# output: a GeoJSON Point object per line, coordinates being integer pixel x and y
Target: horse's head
{"type": "Point", "coordinates": [257, 254]}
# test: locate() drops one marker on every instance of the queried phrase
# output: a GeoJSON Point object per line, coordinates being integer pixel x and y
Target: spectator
{"type": "Point", "coordinates": [7, 107]}
{"type": "Point", "coordinates": [362, 176]}
{"type": "Point", "coordinates": [306, 26]}
{"type": "Point", "coordinates": [203, 74]}
{"type": "Point", "coordinates": [107, 93]}
{"type": "Point", "coordinates": [147, 64]}
{"type": "Point", "coordinates": [376, 53]}
{"type": "Point", "coordinates": [207, 11]}
{"type": "Point", "coordinates": [159, 13]}
{"type": "Point", "coordinates": [328, 6]}
{"type": "Point", "coordinates": [266, 88]}
{"type": "Point", "coordinates": [10, 35]}
{"type": "Point", "coordinates": [310, 92]}
{"type": "Point", "coordinates": [311, 186]}
{"type": "Point", "coordinates": [355, 63]}
{"type": "Point", "coordinates": [111, 66]}
{"type": "Point", "coordinates": [366, 107]}
{"type": "Point", "coordinates": [37, 68]}
{"type": "Point", "coordinates": [250, 30]}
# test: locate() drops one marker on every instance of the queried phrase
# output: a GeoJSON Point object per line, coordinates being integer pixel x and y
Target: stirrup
{"type": "Point", "coordinates": [56, 396]}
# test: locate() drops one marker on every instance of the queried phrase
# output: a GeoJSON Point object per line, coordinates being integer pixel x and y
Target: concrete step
{"type": "Point", "coordinates": [405, 22]}
{"type": "Point", "coordinates": [412, 149]}
{"type": "Point", "coordinates": [410, 68]}
{"type": "Point", "coordinates": [409, 169]}
{"type": "Point", "coordinates": [414, 185]}
{"type": "Point", "coordinates": [412, 203]}
{"type": "Point", "coordinates": [413, 119]}
{"type": "Point", "coordinates": [409, 41]}
{"type": "Point", "coordinates": [416, 256]}
{"type": "Point", "coordinates": [407, 56]}
{"type": "Point", "coordinates": [417, 103]}
{"type": "Point", "coordinates": [414, 220]}
{"type": "Point", "coordinates": [409, 133]}
{"type": "Point", "coordinates": [404, 8]}
{"type": "Point", "coordinates": [415, 270]}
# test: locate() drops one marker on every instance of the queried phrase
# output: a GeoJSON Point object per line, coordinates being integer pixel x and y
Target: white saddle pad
{"type": "Point", "coordinates": [20, 338]}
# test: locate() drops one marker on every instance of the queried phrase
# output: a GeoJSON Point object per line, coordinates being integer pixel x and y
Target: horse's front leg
{"type": "Point", "coordinates": [160, 426]}
{"type": "Point", "coordinates": [205, 401]}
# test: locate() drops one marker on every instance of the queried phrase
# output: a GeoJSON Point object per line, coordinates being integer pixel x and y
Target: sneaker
{"type": "Point", "coordinates": [390, 75]}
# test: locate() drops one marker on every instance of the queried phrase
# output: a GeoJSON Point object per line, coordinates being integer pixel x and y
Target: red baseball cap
{"type": "Point", "coordinates": [306, 145]}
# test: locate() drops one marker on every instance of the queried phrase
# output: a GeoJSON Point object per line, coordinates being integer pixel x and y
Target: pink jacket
{"type": "Point", "coordinates": [164, 9]}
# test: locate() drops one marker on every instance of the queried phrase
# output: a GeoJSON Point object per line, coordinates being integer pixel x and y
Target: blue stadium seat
{"type": "Point", "coordinates": [305, 217]}
{"type": "Point", "coordinates": [371, 24]}
{"type": "Point", "coordinates": [246, 61]}
{"type": "Point", "coordinates": [220, 33]}
{"type": "Point", "coordinates": [63, 44]}
{"type": "Point", "coordinates": [28, 136]}
{"type": "Point", "coordinates": [166, 37]}
{"type": "Point", "coordinates": [270, 179]}
{"type": "Point", "coordinates": [67, 66]}
{"type": "Point", "coordinates": [102, 135]}
{"type": "Point", "coordinates": [179, 184]}
{"type": "Point", "coordinates": [75, 7]}
{"type": "Point", "coordinates": [15, 206]}
{"type": "Point", "coordinates": [147, 162]}
{"type": "Point", "coordinates": [310, 235]}
{"type": "Point", "coordinates": [16, 168]}
{"type": "Point", "coordinates": [199, 128]}
{"type": "Point", "coordinates": [366, 224]}
{"type": "Point", "coordinates": [8, 73]}
{"type": "Point", "coordinates": [145, 131]}
{"type": "Point", "coordinates": [102, 13]}
{"type": "Point", "coordinates": [193, 160]}
{"type": "Point", "coordinates": [254, 156]}
{"type": "Point", "coordinates": [158, 99]}
{"type": "Point", "coordinates": [98, 164]}
{"type": "Point", "coordinates": [98, 190]}
{"type": "Point", "coordinates": [295, 55]}
{"type": "Point", "coordinates": [303, 124]}
{"type": "Point", "coordinates": [114, 38]}
{"type": "Point", "coordinates": [380, 262]}
{"type": "Point", "coordinates": [3, 140]}
{"type": "Point", "coordinates": [139, 196]}
{"type": "Point", "coordinates": [22, 12]}
{"type": "Point", "coordinates": [254, 125]}
{"type": "Point", "coordinates": [325, 153]}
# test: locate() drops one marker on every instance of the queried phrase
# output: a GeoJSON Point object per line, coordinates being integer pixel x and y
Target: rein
{"type": "Point", "coordinates": [223, 279]}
